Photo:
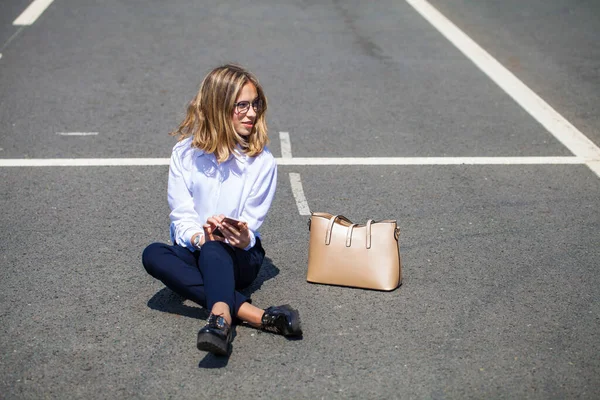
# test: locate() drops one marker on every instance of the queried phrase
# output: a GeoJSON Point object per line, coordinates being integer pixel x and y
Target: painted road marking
{"type": "Point", "coordinates": [541, 111]}
{"type": "Point", "coordinates": [77, 133]}
{"type": "Point", "coordinates": [286, 145]}
{"type": "Point", "coordinates": [295, 179]}
{"type": "Point", "coordinates": [298, 193]}
{"type": "Point", "coordinates": [82, 162]}
{"type": "Point", "coordinates": [303, 161]}
{"type": "Point", "coordinates": [32, 13]}
{"type": "Point", "coordinates": [10, 39]}
{"type": "Point", "coordinates": [430, 161]}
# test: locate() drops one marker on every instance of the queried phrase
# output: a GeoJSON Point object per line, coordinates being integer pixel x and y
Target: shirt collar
{"type": "Point", "coordinates": [237, 153]}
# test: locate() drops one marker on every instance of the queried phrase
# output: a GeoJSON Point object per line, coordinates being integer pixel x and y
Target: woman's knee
{"type": "Point", "coordinates": [152, 256]}
{"type": "Point", "coordinates": [214, 248]}
{"type": "Point", "coordinates": [215, 253]}
{"type": "Point", "coordinates": [212, 244]}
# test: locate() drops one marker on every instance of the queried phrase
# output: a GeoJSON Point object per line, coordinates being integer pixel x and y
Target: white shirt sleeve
{"type": "Point", "coordinates": [184, 218]}
{"type": "Point", "coordinates": [260, 198]}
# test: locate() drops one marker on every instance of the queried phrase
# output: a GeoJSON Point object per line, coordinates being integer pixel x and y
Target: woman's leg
{"type": "Point", "coordinates": [251, 314]}
{"type": "Point", "coordinates": [226, 269]}
{"type": "Point", "coordinates": [216, 263]}
{"type": "Point", "coordinates": [176, 267]}
{"type": "Point", "coordinates": [280, 319]}
{"type": "Point", "coordinates": [283, 320]}
{"type": "Point", "coordinates": [234, 265]}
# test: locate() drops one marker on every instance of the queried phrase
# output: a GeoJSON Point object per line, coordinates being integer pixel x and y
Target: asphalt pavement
{"type": "Point", "coordinates": [501, 294]}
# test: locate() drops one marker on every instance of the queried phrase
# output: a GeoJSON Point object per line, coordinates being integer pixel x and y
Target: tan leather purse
{"type": "Point", "coordinates": [344, 253]}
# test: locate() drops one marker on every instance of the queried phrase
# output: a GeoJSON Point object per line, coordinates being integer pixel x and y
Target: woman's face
{"type": "Point", "coordinates": [243, 120]}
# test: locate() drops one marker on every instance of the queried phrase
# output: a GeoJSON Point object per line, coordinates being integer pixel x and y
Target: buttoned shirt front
{"type": "Point", "coordinates": [241, 187]}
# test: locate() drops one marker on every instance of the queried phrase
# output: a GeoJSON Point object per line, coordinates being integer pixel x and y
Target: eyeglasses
{"type": "Point", "coordinates": [242, 107]}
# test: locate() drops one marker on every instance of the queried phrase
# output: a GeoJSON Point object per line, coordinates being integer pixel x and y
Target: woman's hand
{"type": "Point", "coordinates": [237, 235]}
{"type": "Point", "coordinates": [210, 226]}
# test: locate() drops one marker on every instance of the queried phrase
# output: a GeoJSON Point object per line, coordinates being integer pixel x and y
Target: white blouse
{"type": "Point", "coordinates": [241, 187]}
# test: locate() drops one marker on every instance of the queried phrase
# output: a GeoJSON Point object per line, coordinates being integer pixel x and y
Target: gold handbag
{"type": "Point", "coordinates": [347, 254]}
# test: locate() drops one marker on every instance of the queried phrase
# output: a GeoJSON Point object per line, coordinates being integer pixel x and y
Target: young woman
{"type": "Point", "coordinates": [222, 180]}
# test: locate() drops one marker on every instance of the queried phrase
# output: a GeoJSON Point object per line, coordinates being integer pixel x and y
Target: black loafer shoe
{"type": "Point", "coordinates": [215, 336]}
{"type": "Point", "coordinates": [283, 320]}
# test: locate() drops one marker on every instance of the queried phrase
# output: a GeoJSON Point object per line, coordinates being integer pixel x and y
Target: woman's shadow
{"type": "Point", "coordinates": [166, 300]}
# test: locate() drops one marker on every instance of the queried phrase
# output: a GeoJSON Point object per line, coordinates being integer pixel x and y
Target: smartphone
{"type": "Point", "coordinates": [230, 221]}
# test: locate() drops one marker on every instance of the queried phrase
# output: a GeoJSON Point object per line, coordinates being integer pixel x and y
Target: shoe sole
{"type": "Point", "coordinates": [207, 342]}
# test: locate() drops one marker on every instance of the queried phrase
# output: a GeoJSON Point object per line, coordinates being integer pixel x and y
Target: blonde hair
{"type": "Point", "coordinates": [209, 118]}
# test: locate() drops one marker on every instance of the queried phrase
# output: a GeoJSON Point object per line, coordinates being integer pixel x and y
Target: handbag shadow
{"type": "Point", "coordinates": [357, 287]}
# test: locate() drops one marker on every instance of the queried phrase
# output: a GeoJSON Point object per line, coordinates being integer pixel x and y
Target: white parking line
{"type": "Point", "coordinates": [298, 193]}
{"type": "Point", "coordinates": [82, 162]}
{"type": "Point", "coordinates": [32, 13]}
{"type": "Point", "coordinates": [77, 133]}
{"type": "Point", "coordinates": [541, 111]}
{"type": "Point", "coordinates": [302, 161]}
{"type": "Point", "coordinates": [286, 145]}
{"type": "Point", "coordinates": [10, 39]}
{"type": "Point", "coordinates": [430, 161]}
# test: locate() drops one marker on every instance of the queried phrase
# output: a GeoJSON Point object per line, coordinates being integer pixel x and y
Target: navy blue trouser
{"type": "Point", "coordinates": [206, 276]}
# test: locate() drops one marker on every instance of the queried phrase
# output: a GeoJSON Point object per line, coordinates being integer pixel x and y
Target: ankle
{"type": "Point", "coordinates": [222, 310]}
{"type": "Point", "coordinates": [226, 317]}
{"type": "Point", "coordinates": [251, 315]}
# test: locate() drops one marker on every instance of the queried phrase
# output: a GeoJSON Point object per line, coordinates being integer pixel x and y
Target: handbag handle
{"type": "Point", "coordinates": [369, 222]}
{"type": "Point", "coordinates": [349, 232]}
{"type": "Point", "coordinates": [330, 227]}
{"type": "Point", "coordinates": [349, 235]}
{"type": "Point", "coordinates": [350, 229]}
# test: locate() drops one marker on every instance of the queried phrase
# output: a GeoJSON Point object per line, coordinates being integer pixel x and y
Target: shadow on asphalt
{"type": "Point", "coordinates": [166, 300]}
{"type": "Point", "coordinates": [267, 271]}
{"type": "Point", "coordinates": [211, 361]}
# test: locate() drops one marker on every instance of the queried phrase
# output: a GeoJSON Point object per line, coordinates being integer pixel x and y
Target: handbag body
{"type": "Point", "coordinates": [343, 253]}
